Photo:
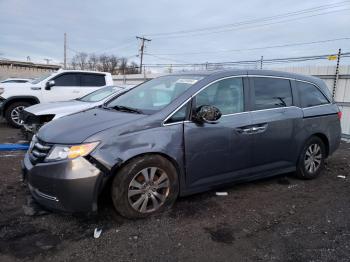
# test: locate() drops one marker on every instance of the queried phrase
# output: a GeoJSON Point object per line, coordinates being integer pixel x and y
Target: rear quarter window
{"type": "Point", "coordinates": [92, 80]}
{"type": "Point", "coordinates": [310, 95]}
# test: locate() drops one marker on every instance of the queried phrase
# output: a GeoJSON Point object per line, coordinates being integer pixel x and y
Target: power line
{"type": "Point", "coordinates": [127, 44]}
{"type": "Point", "coordinates": [257, 26]}
{"type": "Point", "coordinates": [251, 62]}
{"type": "Point", "coordinates": [166, 58]}
{"type": "Point", "coordinates": [254, 48]}
{"type": "Point", "coordinates": [255, 20]}
{"type": "Point", "coordinates": [243, 24]}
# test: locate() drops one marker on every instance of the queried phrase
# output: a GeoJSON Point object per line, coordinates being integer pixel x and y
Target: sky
{"type": "Point", "coordinates": [35, 28]}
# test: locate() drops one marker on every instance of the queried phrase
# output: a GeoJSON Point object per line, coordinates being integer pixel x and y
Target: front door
{"type": "Point", "coordinates": [216, 153]}
{"type": "Point", "coordinates": [67, 87]}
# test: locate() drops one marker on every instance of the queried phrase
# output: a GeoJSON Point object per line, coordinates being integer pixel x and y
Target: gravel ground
{"type": "Point", "coordinates": [279, 219]}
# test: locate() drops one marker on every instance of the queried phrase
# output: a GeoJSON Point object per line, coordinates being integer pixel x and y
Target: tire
{"type": "Point", "coordinates": [129, 187]}
{"type": "Point", "coordinates": [305, 168]}
{"type": "Point", "coordinates": [12, 111]}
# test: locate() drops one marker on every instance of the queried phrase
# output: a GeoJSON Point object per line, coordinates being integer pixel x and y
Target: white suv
{"type": "Point", "coordinates": [62, 85]}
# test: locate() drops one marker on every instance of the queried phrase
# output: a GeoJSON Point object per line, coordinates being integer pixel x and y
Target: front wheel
{"type": "Point", "coordinates": [12, 113]}
{"type": "Point", "coordinates": [144, 186]}
{"type": "Point", "coordinates": [311, 160]}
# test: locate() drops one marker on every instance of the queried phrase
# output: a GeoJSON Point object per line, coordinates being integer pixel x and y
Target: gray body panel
{"type": "Point", "coordinates": [205, 155]}
{"type": "Point", "coordinates": [70, 186]}
{"type": "Point", "coordinates": [217, 151]}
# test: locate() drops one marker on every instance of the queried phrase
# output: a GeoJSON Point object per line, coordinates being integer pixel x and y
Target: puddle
{"type": "Point", "coordinates": [221, 234]}
{"type": "Point", "coordinates": [27, 241]}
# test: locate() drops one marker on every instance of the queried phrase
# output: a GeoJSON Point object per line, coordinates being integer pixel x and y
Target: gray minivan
{"type": "Point", "coordinates": [182, 134]}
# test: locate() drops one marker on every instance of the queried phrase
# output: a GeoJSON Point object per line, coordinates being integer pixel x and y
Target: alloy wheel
{"type": "Point", "coordinates": [313, 158]}
{"type": "Point", "coordinates": [148, 190]}
{"type": "Point", "coordinates": [15, 115]}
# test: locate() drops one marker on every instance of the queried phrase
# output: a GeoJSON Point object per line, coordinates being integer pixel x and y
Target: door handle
{"type": "Point", "coordinates": [244, 130]}
{"type": "Point", "coordinates": [259, 128]}
{"type": "Point", "coordinates": [76, 92]}
{"type": "Point", "coordinates": [252, 129]}
{"type": "Point", "coordinates": [35, 88]}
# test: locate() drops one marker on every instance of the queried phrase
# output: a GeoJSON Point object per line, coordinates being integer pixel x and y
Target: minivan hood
{"type": "Point", "coordinates": [59, 109]}
{"type": "Point", "coordinates": [76, 128]}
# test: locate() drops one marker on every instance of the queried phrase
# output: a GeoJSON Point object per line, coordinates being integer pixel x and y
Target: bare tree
{"type": "Point", "coordinates": [132, 69]}
{"type": "Point", "coordinates": [113, 63]}
{"type": "Point", "coordinates": [123, 65]}
{"type": "Point", "coordinates": [93, 62]}
{"type": "Point", "coordinates": [103, 63]}
{"type": "Point", "coordinates": [80, 60]}
{"type": "Point", "coordinates": [106, 63]}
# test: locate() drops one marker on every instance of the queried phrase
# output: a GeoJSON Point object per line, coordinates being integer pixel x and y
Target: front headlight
{"type": "Point", "coordinates": [62, 152]}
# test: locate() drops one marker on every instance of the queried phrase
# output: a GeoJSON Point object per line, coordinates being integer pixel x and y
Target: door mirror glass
{"type": "Point", "coordinates": [207, 114]}
{"type": "Point", "coordinates": [49, 84]}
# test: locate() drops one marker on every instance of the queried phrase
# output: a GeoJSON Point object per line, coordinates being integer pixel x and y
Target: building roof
{"type": "Point", "coordinates": [29, 64]}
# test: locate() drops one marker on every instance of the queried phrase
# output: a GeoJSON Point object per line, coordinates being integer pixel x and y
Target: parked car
{"type": "Point", "coordinates": [35, 116]}
{"type": "Point", "coordinates": [62, 85]}
{"type": "Point", "coordinates": [182, 134]}
{"type": "Point", "coordinates": [15, 80]}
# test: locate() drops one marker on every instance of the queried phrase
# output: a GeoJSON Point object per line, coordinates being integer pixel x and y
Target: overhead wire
{"type": "Point", "coordinates": [317, 8]}
{"type": "Point", "coordinates": [242, 24]}
{"type": "Point", "coordinates": [252, 49]}
{"type": "Point", "coordinates": [250, 62]}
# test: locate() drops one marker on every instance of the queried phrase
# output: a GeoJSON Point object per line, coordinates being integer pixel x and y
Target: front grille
{"type": "Point", "coordinates": [39, 151]}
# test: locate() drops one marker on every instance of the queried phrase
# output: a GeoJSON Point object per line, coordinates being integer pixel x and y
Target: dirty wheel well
{"type": "Point", "coordinates": [324, 140]}
{"type": "Point", "coordinates": [19, 99]}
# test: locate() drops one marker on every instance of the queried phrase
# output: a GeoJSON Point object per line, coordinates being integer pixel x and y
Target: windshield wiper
{"type": "Point", "coordinates": [127, 109]}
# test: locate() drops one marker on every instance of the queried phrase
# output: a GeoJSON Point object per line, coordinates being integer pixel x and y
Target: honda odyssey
{"type": "Point", "coordinates": [182, 134]}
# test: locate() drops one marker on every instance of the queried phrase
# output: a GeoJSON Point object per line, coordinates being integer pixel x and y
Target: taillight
{"type": "Point", "coordinates": [340, 113]}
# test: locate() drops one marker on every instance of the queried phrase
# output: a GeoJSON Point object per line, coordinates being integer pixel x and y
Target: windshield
{"type": "Point", "coordinates": [101, 94]}
{"type": "Point", "coordinates": [41, 78]}
{"type": "Point", "coordinates": [155, 94]}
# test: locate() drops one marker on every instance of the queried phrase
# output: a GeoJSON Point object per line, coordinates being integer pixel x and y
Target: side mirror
{"type": "Point", "coordinates": [208, 114]}
{"type": "Point", "coordinates": [49, 84]}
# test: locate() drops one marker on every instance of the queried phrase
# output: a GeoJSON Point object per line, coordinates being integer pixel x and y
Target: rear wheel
{"type": "Point", "coordinates": [311, 160]}
{"type": "Point", "coordinates": [12, 113]}
{"type": "Point", "coordinates": [146, 185]}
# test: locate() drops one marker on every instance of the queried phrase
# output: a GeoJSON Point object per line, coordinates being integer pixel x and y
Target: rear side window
{"type": "Point", "coordinates": [271, 93]}
{"type": "Point", "coordinates": [310, 95]}
{"type": "Point", "coordinates": [67, 80]}
{"type": "Point", "coordinates": [92, 80]}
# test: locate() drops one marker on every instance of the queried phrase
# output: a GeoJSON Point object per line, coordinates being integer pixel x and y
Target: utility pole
{"type": "Point", "coordinates": [65, 52]}
{"type": "Point", "coordinates": [261, 62]}
{"type": "Point", "coordinates": [142, 48]}
{"type": "Point", "coordinates": [336, 73]}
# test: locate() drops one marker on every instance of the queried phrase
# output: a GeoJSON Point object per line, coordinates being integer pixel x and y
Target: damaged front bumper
{"type": "Point", "coordinates": [70, 186]}
{"type": "Point", "coordinates": [31, 123]}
